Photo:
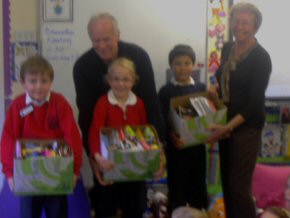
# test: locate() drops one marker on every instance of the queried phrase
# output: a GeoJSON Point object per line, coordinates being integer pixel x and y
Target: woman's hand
{"type": "Point", "coordinates": [176, 140]}
{"type": "Point", "coordinates": [218, 132]}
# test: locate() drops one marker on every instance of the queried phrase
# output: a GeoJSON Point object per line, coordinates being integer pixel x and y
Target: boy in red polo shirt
{"type": "Point", "coordinates": [39, 114]}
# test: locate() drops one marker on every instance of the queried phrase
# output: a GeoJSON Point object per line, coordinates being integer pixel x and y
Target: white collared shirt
{"type": "Point", "coordinates": [29, 100]}
{"type": "Point", "coordinates": [131, 100]}
{"type": "Point", "coordinates": [176, 83]}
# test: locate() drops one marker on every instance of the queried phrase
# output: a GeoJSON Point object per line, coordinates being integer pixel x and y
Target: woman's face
{"type": "Point", "coordinates": [243, 27]}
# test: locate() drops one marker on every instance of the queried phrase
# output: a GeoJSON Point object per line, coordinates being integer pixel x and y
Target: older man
{"type": "Point", "coordinates": [89, 71]}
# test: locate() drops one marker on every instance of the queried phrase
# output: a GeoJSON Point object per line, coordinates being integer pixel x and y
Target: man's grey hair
{"type": "Point", "coordinates": [104, 15]}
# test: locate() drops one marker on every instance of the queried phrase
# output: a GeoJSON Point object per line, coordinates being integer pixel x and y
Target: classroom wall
{"type": "Point", "coordinates": [24, 17]}
{"type": "Point", "coordinates": [24, 20]}
{"type": "Point", "coordinates": [1, 72]}
{"type": "Point", "coordinates": [155, 25]}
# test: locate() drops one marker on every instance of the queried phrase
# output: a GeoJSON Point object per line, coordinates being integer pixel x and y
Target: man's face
{"type": "Point", "coordinates": [105, 39]}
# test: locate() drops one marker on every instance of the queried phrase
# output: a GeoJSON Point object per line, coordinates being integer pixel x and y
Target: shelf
{"type": "Point", "coordinates": [274, 160]}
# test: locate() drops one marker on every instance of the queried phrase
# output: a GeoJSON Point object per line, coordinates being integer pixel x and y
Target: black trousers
{"type": "Point", "coordinates": [238, 156]}
{"type": "Point", "coordinates": [186, 170]}
{"type": "Point", "coordinates": [55, 206]}
{"type": "Point", "coordinates": [129, 197]}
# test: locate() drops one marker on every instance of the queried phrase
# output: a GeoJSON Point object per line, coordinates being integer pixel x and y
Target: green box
{"type": "Point", "coordinates": [129, 165]}
{"type": "Point", "coordinates": [43, 175]}
{"type": "Point", "coordinates": [194, 131]}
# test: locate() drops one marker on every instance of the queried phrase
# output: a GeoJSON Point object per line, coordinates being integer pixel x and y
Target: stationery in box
{"type": "Point", "coordinates": [194, 131]}
{"type": "Point", "coordinates": [129, 164]}
{"type": "Point", "coordinates": [37, 172]}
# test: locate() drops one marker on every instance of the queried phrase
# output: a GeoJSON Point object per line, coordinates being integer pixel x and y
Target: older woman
{"type": "Point", "coordinates": [242, 80]}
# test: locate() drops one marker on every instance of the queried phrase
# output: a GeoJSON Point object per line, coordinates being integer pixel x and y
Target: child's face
{"type": "Point", "coordinates": [268, 214]}
{"type": "Point", "coordinates": [182, 67]}
{"type": "Point", "coordinates": [121, 82]}
{"type": "Point", "coordinates": [37, 86]}
{"type": "Point", "coordinates": [287, 193]}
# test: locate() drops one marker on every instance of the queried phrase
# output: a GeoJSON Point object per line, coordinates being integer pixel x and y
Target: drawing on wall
{"type": "Point", "coordinates": [20, 52]}
{"type": "Point", "coordinates": [217, 33]}
{"type": "Point", "coordinates": [57, 10]}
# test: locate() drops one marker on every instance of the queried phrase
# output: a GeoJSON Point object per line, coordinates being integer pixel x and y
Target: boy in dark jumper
{"type": "Point", "coordinates": [186, 167]}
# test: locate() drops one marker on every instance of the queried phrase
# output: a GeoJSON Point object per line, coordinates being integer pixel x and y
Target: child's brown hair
{"type": "Point", "coordinates": [36, 65]}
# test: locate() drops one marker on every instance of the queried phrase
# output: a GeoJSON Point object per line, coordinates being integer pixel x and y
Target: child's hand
{"type": "Point", "coordinates": [98, 174]}
{"type": "Point", "coordinates": [213, 90]}
{"type": "Point", "coordinates": [160, 173]}
{"type": "Point", "coordinates": [100, 178]}
{"type": "Point", "coordinates": [11, 183]}
{"type": "Point", "coordinates": [75, 180]}
{"type": "Point", "coordinates": [102, 163]}
{"type": "Point", "coordinates": [177, 141]}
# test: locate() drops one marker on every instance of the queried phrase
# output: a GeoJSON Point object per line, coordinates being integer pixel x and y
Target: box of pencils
{"type": "Point", "coordinates": [191, 115]}
{"type": "Point", "coordinates": [43, 167]}
{"type": "Point", "coordinates": [134, 150]}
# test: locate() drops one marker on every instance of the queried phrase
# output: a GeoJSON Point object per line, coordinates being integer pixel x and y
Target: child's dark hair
{"type": "Point", "coordinates": [36, 65]}
{"type": "Point", "coordinates": [179, 50]}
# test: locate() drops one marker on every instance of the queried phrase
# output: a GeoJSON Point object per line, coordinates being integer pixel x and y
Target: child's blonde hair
{"type": "Point", "coordinates": [36, 65]}
{"type": "Point", "coordinates": [125, 63]}
{"type": "Point", "coordinates": [279, 212]}
{"type": "Point", "coordinates": [188, 212]}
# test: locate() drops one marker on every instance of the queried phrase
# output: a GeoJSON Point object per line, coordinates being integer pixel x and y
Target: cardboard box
{"type": "Point", "coordinates": [41, 175]}
{"type": "Point", "coordinates": [194, 130]}
{"type": "Point", "coordinates": [130, 165]}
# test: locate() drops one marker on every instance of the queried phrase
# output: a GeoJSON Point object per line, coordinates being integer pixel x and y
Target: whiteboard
{"type": "Point", "coordinates": [154, 25]}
